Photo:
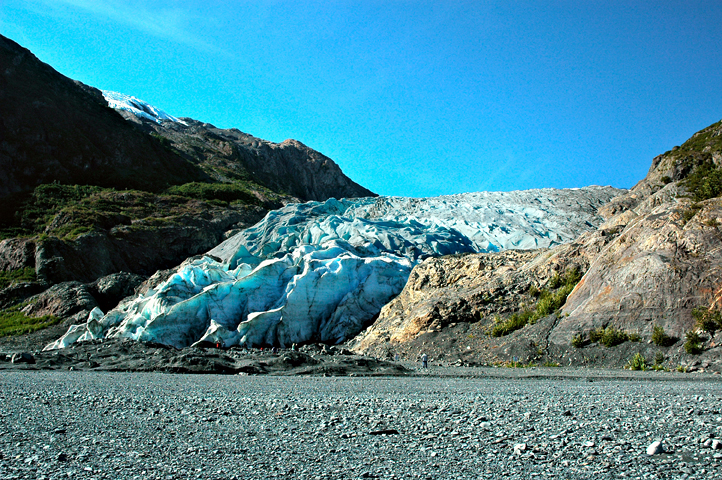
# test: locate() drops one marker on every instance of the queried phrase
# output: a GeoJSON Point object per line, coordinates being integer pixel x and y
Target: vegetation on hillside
{"type": "Point", "coordinates": [704, 182]}
{"type": "Point", "coordinates": [12, 276]}
{"type": "Point", "coordinates": [223, 192]}
{"type": "Point", "coordinates": [702, 178]}
{"type": "Point", "coordinates": [66, 211]}
{"type": "Point", "coordinates": [549, 300]}
{"type": "Point", "coordinates": [14, 322]}
{"type": "Point", "coordinates": [705, 141]}
{"type": "Point", "coordinates": [707, 319]}
{"type": "Point", "coordinates": [607, 336]}
{"type": "Point", "coordinates": [693, 343]}
{"type": "Point", "coordinates": [660, 337]}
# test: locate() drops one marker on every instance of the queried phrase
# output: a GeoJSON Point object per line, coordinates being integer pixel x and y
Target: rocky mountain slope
{"type": "Point", "coordinates": [55, 129]}
{"type": "Point", "coordinates": [652, 262]}
{"type": "Point", "coordinates": [322, 271]}
{"type": "Point", "coordinates": [231, 156]}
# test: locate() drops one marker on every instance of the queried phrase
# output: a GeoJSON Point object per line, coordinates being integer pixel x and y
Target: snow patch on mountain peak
{"type": "Point", "coordinates": [139, 108]}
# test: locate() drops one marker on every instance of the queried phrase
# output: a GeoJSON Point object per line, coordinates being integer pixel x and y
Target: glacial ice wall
{"type": "Point", "coordinates": [321, 271]}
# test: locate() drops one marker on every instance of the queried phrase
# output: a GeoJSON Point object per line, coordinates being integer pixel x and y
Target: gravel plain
{"type": "Point", "coordinates": [101, 425]}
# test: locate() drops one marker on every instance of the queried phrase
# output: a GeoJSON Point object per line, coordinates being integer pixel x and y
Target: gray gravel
{"type": "Point", "coordinates": [161, 426]}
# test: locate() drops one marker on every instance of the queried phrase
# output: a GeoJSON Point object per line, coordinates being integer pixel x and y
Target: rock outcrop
{"type": "Point", "coordinates": [16, 254]}
{"type": "Point", "coordinates": [137, 248]}
{"type": "Point", "coordinates": [290, 166]}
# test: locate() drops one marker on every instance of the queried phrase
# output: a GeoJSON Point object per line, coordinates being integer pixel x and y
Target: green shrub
{"type": "Point", "coordinates": [634, 337]}
{"type": "Point", "coordinates": [659, 337]}
{"type": "Point", "coordinates": [658, 358]}
{"type": "Point", "coordinates": [637, 362]}
{"type": "Point", "coordinates": [708, 319]}
{"type": "Point", "coordinates": [20, 275]}
{"type": "Point", "coordinates": [611, 337]}
{"type": "Point", "coordinates": [704, 182]}
{"type": "Point", "coordinates": [693, 343]}
{"type": "Point", "coordinates": [514, 323]}
{"type": "Point", "coordinates": [596, 334]}
{"type": "Point", "coordinates": [578, 340]}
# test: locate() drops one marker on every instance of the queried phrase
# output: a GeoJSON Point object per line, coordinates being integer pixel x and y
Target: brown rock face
{"type": "Point", "coordinates": [462, 296]}
{"type": "Point", "coordinates": [655, 258]}
{"type": "Point", "coordinates": [659, 268]}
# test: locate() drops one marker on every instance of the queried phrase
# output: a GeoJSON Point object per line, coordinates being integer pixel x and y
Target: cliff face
{"type": "Point", "coordinates": [666, 260]}
{"type": "Point", "coordinates": [655, 258]}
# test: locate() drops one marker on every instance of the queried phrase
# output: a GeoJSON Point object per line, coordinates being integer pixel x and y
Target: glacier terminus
{"type": "Point", "coordinates": [322, 271]}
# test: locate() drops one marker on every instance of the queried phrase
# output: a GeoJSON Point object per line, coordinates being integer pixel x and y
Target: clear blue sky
{"type": "Point", "coordinates": [411, 97]}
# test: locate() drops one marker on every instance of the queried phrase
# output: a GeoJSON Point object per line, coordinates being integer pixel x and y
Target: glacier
{"type": "Point", "coordinates": [322, 271]}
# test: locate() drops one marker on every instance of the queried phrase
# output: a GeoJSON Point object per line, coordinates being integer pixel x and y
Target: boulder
{"type": "Point", "coordinates": [108, 291]}
{"type": "Point", "coordinates": [17, 253]}
{"type": "Point", "coordinates": [23, 357]}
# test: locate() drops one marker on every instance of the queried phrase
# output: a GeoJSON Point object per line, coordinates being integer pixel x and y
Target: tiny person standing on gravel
{"type": "Point", "coordinates": [424, 361]}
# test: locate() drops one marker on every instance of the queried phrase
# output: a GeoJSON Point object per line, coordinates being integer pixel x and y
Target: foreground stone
{"type": "Point", "coordinates": [113, 425]}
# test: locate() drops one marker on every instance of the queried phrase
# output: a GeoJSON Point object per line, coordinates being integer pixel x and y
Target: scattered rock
{"type": "Point", "coordinates": [519, 448]}
{"type": "Point", "coordinates": [655, 448]}
{"type": "Point", "coordinates": [390, 431]}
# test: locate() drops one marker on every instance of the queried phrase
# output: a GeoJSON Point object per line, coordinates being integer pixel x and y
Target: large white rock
{"type": "Point", "coordinates": [322, 271]}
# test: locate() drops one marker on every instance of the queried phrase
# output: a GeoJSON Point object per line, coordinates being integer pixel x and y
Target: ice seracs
{"type": "Point", "coordinates": [139, 108]}
{"type": "Point", "coordinates": [322, 271]}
